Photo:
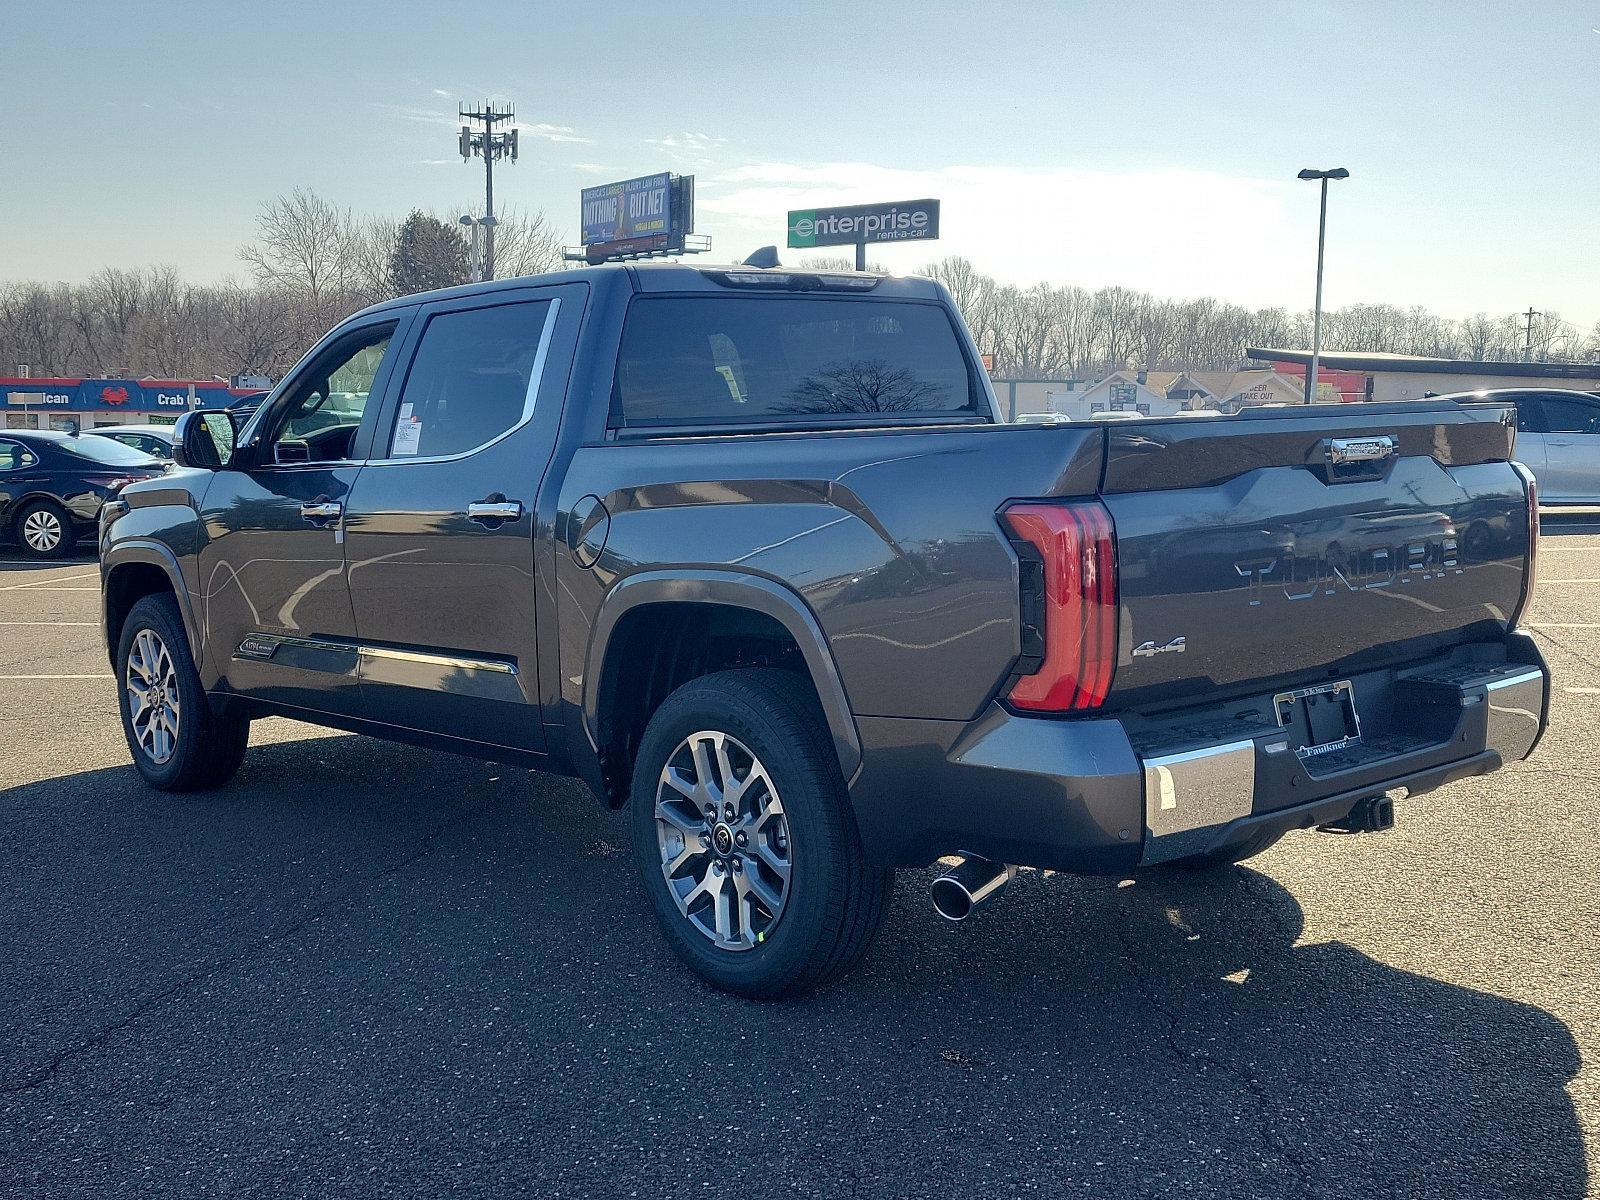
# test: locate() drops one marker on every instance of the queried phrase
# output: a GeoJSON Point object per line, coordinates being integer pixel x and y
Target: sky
{"type": "Point", "coordinates": [1152, 145]}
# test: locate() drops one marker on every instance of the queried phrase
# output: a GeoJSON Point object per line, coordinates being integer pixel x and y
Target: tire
{"type": "Point", "coordinates": [44, 530]}
{"type": "Point", "coordinates": [832, 901]}
{"type": "Point", "coordinates": [1227, 856]}
{"type": "Point", "coordinates": [153, 658]}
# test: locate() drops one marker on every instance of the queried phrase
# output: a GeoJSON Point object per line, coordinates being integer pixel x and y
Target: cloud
{"type": "Point", "coordinates": [694, 143]}
{"type": "Point", "coordinates": [409, 112]}
{"type": "Point", "coordinates": [589, 168]}
{"type": "Point", "coordinates": [553, 133]}
{"type": "Point", "coordinates": [1172, 232]}
{"type": "Point", "coordinates": [440, 92]}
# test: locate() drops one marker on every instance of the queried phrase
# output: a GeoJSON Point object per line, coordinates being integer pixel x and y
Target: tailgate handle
{"type": "Point", "coordinates": [1342, 451]}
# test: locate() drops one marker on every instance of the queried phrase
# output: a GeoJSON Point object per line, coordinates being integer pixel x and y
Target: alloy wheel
{"type": "Point", "coordinates": [153, 707]}
{"type": "Point", "coordinates": [41, 529]}
{"type": "Point", "coordinates": [724, 840]}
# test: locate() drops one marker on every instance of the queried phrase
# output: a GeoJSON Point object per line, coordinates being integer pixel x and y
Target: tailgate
{"type": "Point", "coordinates": [1282, 546]}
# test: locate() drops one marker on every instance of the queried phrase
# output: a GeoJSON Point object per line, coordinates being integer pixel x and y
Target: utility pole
{"type": "Point", "coordinates": [489, 146]}
{"type": "Point", "coordinates": [1527, 350]}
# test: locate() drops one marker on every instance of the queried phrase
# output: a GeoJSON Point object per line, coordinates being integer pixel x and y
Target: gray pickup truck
{"type": "Point", "coordinates": [749, 551]}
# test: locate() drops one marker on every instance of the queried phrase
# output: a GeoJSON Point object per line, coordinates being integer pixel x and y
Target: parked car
{"type": "Point", "coordinates": [154, 440]}
{"type": "Point", "coordinates": [1558, 438]}
{"type": "Point", "coordinates": [750, 552]}
{"type": "Point", "coordinates": [53, 484]}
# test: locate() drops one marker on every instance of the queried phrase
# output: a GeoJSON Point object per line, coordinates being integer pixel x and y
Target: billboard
{"type": "Point", "coordinates": [898, 221]}
{"type": "Point", "coordinates": [631, 208]}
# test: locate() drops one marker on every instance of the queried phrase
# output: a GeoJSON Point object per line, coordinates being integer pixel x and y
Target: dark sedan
{"type": "Point", "coordinates": [53, 484]}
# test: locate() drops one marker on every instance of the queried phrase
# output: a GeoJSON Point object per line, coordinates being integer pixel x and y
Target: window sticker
{"type": "Point", "coordinates": [407, 432]}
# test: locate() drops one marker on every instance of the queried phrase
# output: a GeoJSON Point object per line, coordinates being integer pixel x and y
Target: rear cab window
{"type": "Point", "coordinates": [730, 361]}
{"type": "Point", "coordinates": [107, 452]}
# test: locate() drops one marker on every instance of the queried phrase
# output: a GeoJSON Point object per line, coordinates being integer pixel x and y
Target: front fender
{"type": "Point", "coordinates": [738, 590]}
{"type": "Point", "coordinates": [124, 554]}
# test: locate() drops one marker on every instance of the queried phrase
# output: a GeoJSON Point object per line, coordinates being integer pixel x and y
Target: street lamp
{"type": "Point", "coordinates": [1316, 316]}
{"type": "Point", "coordinates": [477, 224]}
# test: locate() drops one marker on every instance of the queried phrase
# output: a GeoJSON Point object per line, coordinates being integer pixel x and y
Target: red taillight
{"type": "Point", "coordinates": [1530, 486]}
{"type": "Point", "coordinates": [1076, 578]}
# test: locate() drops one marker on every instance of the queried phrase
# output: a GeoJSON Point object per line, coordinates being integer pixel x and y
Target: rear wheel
{"type": "Point", "coordinates": [44, 530]}
{"type": "Point", "coordinates": [178, 742]}
{"type": "Point", "coordinates": [744, 836]}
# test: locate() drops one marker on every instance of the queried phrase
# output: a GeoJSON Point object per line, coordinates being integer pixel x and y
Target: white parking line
{"type": "Point", "coordinates": [1534, 624]}
{"type": "Point", "coordinates": [47, 584]}
{"type": "Point", "coordinates": [1543, 582]}
{"type": "Point", "coordinates": [6, 677]}
{"type": "Point", "coordinates": [1582, 691]}
{"type": "Point", "coordinates": [90, 623]}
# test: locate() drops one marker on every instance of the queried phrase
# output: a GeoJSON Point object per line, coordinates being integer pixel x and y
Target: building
{"type": "Point", "coordinates": [1154, 393]}
{"type": "Point", "coordinates": [32, 403]}
{"type": "Point", "coordinates": [1227, 391]}
{"type": "Point", "coordinates": [1388, 377]}
{"type": "Point", "coordinates": [1018, 397]}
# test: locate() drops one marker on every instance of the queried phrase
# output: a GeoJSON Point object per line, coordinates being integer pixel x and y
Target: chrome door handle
{"type": "Point", "coordinates": [322, 510]}
{"type": "Point", "coordinates": [1558, 443]}
{"type": "Point", "coordinates": [494, 510]}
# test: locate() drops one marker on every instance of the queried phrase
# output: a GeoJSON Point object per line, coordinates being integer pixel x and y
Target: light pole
{"type": "Point", "coordinates": [1316, 313]}
{"type": "Point", "coordinates": [478, 226]}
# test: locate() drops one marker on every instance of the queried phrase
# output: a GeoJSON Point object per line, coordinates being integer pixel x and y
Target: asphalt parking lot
{"type": "Point", "coordinates": [370, 970]}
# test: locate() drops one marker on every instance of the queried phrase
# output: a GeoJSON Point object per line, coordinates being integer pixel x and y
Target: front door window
{"type": "Point", "coordinates": [323, 414]}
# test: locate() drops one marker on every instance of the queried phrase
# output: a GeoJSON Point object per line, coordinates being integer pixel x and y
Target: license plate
{"type": "Point", "coordinates": [1319, 719]}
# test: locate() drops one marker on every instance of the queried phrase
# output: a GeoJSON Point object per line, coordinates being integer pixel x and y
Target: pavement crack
{"type": "Point", "coordinates": [1266, 1134]}
{"type": "Point", "coordinates": [424, 847]}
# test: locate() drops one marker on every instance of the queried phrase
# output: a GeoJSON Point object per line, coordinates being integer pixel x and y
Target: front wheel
{"type": "Point", "coordinates": [179, 743]}
{"type": "Point", "coordinates": [743, 833]}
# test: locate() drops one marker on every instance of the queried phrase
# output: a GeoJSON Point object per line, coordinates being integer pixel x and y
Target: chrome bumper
{"type": "Point", "coordinates": [1193, 795]}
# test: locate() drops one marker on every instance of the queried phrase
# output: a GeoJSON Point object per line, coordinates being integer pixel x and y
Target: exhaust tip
{"type": "Point", "coordinates": [959, 893]}
{"type": "Point", "coordinates": [950, 900]}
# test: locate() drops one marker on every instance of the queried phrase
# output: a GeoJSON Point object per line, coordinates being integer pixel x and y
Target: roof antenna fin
{"type": "Point", "coordinates": [765, 257]}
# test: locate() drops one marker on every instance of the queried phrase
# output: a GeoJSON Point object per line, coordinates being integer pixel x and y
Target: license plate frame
{"type": "Point", "coordinates": [1314, 715]}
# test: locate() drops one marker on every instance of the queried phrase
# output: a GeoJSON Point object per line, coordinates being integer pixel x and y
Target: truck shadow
{"type": "Point", "coordinates": [467, 939]}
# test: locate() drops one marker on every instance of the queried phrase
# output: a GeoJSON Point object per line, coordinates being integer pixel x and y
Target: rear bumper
{"type": "Point", "coordinates": [1106, 795]}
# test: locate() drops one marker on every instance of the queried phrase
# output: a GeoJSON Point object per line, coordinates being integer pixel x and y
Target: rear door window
{"type": "Point", "coordinates": [471, 381]}
{"type": "Point", "coordinates": [727, 360]}
{"type": "Point", "coordinates": [14, 456]}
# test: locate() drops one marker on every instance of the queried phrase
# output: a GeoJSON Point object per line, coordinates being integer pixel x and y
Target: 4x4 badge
{"type": "Point", "coordinates": [1149, 649]}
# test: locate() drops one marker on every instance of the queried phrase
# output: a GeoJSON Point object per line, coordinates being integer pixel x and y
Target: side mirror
{"type": "Point", "coordinates": [204, 439]}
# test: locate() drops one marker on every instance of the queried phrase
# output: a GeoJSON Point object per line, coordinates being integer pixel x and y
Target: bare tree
{"type": "Point", "coordinates": [303, 244]}
{"type": "Point", "coordinates": [525, 244]}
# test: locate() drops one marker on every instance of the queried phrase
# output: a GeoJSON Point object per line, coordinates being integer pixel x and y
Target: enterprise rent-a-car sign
{"type": "Point", "coordinates": [614, 212]}
{"type": "Point", "coordinates": [900, 221]}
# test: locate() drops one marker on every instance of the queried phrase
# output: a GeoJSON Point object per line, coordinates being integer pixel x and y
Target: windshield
{"type": "Point", "coordinates": [718, 360]}
{"type": "Point", "coordinates": [107, 451]}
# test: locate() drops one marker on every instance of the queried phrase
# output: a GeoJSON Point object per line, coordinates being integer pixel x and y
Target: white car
{"type": "Point", "coordinates": [1558, 439]}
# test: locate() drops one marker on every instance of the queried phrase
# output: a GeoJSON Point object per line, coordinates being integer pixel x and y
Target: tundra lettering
{"type": "Point", "coordinates": [1301, 577]}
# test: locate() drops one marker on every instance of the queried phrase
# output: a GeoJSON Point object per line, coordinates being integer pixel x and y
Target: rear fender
{"type": "Point", "coordinates": [737, 590]}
